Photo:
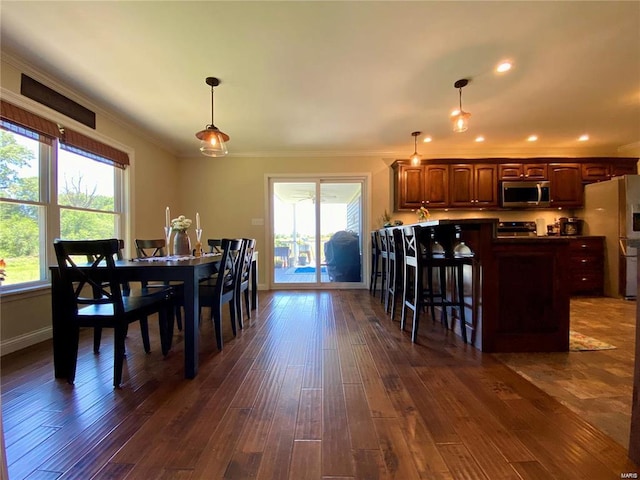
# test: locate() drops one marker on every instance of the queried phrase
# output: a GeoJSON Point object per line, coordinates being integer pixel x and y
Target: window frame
{"type": "Point", "coordinates": [49, 227]}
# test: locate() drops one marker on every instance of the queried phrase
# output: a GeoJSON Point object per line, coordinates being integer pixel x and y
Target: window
{"type": "Point", "coordinates": [51, 188]}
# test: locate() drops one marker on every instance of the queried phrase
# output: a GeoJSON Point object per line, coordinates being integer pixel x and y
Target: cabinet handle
{"type": "Point", "coordinates": [584, 279]}
{"type": "Point", "coordinates": [584, 260]}
{"type": "Point", "coordinates": [583, 245]}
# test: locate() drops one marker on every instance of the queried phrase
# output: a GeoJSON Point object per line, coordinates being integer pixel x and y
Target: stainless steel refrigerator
{"type": "Point", "coordinates": [612, 209]}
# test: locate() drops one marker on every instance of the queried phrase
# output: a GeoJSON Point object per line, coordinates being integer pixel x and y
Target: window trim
{"type": "Point", "coordinates": [124, 195]}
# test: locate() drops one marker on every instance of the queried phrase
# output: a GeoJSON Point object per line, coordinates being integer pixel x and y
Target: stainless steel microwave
{"type": "Point", "coordinates": [526, 194]}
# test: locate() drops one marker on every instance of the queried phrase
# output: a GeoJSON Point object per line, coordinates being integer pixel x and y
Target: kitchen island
{"type": "Point", "coordinates": [516, 290]}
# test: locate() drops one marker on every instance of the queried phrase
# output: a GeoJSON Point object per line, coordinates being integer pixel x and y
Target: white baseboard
{"type": "Point", "coordinates": [23, 341]}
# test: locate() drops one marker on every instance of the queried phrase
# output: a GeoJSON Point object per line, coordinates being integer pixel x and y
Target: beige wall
{"type": "Point", "coordinates": [229, 192]}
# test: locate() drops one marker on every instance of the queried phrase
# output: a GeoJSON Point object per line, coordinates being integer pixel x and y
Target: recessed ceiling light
{"type": "Point", "coordinates": [583, 138]}
{"type": "Point", "coordinates": [504, 66]}
{"type": "Point", "coordinates": [427, 139]}
{"type": "Point", "coordinates": [479, 138]}
{"type": "Point", "coordinates": [532, 138]}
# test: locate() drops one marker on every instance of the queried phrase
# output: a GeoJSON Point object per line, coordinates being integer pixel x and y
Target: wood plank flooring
{"type": "Point", "coordinates": [318, 385]}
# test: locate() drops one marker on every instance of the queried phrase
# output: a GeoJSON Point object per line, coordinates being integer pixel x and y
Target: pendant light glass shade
{"type": "Point", "coordinates": [416, 157]}
{"type": "Point", "coordinates": [212, 141]}
{"type": "Point", "coordinates": [460, 121]}
{"type": "Point", "coordinates": [460, 118]}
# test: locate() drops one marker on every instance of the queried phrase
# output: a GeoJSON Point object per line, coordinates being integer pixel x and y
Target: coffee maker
{"type": "Point", "coordinates": [571, 226]}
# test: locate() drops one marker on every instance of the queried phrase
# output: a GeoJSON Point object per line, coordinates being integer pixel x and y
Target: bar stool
{"type": "Point", "coordinates": [384, 266]}
{"type": "Point", "coordinates": [375, 262]}
{"type": "Point", "coordinates": [395, 264]}
{"type": "Point", "coordinates": [421, 260]}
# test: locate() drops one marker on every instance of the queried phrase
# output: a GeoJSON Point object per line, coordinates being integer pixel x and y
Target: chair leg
{"type": "Point", "coordinates": [232, 311]}
{"type": "Point", "coordinates": [178, 313]}
{"type": "Point", "coordinates": [120, 332]}
{"type": "Point", "coordinates": [216, 317]}
{"type": "Point", "coordinates": [463, 320]}
{"type": "Point", "coordinates": [97, 337]}
{"type": "Point", "coordinates": [443, 296]}
{"type": "Point", "coordinates": [430, 293]}
{"type": "Point", "coordinates": [144, 330]}
{"type": "Point", "coordinates": [247, 304]}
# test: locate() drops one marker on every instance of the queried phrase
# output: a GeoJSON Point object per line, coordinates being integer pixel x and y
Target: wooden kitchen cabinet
{"type": "Point", "coordinates": [586, 266]}
{"type": "Point", "coordinates": [436, 186]}
{"type": "Point", "coordinates": [522, 171]}
{"type": "Point", "coordinates": [409, 183]}
{"type": "Point", "coordinates": [473, 185]}
{"type": "Point", "coordinates": [418, 185]}
{"type": "Point", "coordinates": [599, 171]}
{"type": "Point", "coordinates": [566, 184]}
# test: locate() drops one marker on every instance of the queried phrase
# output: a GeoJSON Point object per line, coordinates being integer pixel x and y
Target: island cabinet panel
{"type": "Point", "coordinates": [473, 185]}
{"type": "Point", "coordinates": [586, 259]}
{"type": "Point", "coordinates": [528, 300]}
{"type": "Point", "coordinates": [566, 184]}
{"type": "Point", "coordinates": [522, 171]}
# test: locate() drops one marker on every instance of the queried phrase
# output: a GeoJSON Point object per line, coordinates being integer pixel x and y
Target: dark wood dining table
{"type": "Point", "coordinates": [189, 271]}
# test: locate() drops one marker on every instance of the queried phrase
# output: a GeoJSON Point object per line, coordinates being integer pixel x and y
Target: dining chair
{"type": "Point", "coordinates": [127, 291]}
{"type": "Point", "coordinates": [93, 293]}
{"type": "Point", "coordinates": [244, 277]}
{"type": "Point", "coordinates": [215, 245]}
{"type": "Point", "coordinates": [146, 248]}
{"type": "Point", "coordinates": [219, 289]}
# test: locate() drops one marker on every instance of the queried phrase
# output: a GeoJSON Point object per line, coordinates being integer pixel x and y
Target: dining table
{"type": "Point", "coordinates": [188, 269]}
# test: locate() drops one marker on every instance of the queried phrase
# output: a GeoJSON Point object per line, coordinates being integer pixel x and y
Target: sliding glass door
{"type": "Point", "coordinates": [317, 231]}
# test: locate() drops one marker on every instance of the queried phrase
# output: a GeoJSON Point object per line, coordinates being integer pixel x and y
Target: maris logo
{"type": "Point", "coordinates": [629, 475]}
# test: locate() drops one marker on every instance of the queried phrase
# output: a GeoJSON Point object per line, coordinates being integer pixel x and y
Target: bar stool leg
{"type": "Point", "coordinates": [460, 285]}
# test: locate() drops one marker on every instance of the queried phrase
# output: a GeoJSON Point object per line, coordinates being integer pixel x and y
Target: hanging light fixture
{"type": "Point", "coordinates": [212, 140]}
{"type": "Point", "coordinates": [416, 157]}
{"type": "Point", "coordinates": [460, 118]}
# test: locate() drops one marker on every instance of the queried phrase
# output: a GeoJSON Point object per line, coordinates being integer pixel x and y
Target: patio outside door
{"type": "Point", "coordinates": [317, 232]}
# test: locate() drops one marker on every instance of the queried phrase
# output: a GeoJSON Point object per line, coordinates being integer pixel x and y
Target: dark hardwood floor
{"type": "Point", "coordinates": [318, 385]}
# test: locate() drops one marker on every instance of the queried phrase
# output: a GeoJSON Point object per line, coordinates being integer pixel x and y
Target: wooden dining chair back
{"type": "Point", "coordinates": [151, 247]}
{"type": "Point", "coordinates": [244, 277]}
{"type": "Point", "coordinates": [220, 288]}
{"type": "Point", "coordinates": [157, 247]}
{"type": "Point", "coordinates": [215, 245]}
{"type": "Point", "coordinates": [93, 296]}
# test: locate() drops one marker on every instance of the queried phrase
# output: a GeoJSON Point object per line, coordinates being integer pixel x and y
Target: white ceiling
{"type": "Point", "coordinates": [346, 78]}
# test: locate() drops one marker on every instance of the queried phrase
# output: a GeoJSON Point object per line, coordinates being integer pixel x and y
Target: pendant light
{"type": "Point", "coordinates": [212, 140]}
{"type": "Point", "coordinates": [460, 118]}
{"type": "Point", "coordinates": [416, 157]}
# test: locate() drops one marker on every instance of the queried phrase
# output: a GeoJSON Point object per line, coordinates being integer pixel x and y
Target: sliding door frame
{"type": "Point", "coordinates": [318, 178]}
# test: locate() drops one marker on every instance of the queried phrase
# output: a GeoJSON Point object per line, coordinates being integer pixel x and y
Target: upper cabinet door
{"type": "Point", "coordinates": [473, 185]}
{"type": "Point", "coordinates": [485, 185]}
{"type": "Point", "coordinates": [436, 186]}
{"type": "Point", "coordinates": [566, 184]}
{"type": "Point", "coordinates": [461, 192]}
{"type": "Point", "coordinates": [522, 171]}
{"type": "Point", "coordinates": [409, 184]}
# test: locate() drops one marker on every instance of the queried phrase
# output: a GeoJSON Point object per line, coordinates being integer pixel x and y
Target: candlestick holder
{"type": "Point", "coordinates": [198, 242]}
{"type": "Point", "coordinates": [167, 236]}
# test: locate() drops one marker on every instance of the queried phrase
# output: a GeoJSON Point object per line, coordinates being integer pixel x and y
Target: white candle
{"type": "Point", "coordinates": [167, 216]}
{"type": "Point", "coordinates": [198, 221]}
